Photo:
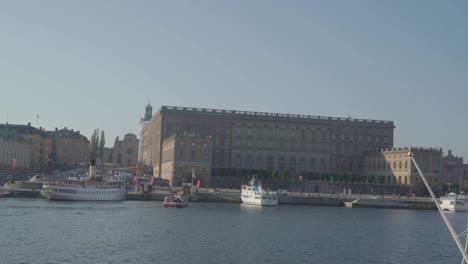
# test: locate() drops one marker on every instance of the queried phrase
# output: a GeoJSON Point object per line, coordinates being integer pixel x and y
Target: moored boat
{"type": "Point", "coordinates": [454, 202]}
{"type": "Point", "coordinates": [256, 195]}
{"type": "Point", "coordinates": [92, 188]}
{"type": "Point", "coordinates": [176, 200]}
{"type": "Point", "coordinates": [4, 193]}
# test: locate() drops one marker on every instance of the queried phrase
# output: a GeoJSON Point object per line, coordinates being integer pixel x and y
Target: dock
{"type": "Point", "coordinates": [233, 196]}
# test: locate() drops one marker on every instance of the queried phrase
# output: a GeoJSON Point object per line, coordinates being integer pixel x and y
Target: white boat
{"type": "Point", "coordinates": [87, 189]}
{"type": "Point", "coordinates": [447, 203]}
{"type": "Point", "coordinates": [256, 195]}
{"type": "Point", "coordinates": [35, 183]}
{"type": "Point", "coordinates": [454, 202]}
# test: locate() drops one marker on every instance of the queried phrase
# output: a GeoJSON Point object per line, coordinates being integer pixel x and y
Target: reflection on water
{"type": "Point", "coordinates": [40, 231]}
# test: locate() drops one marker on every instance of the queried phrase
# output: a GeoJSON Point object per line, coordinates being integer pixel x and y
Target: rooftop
{"type": "Point", "coordinates": [165, 109]}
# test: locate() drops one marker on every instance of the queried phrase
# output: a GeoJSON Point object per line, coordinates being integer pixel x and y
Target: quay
{"type": "Point", "coordinates": [349, 201]}
{"type": "Point", "coordinates": [233, 196]}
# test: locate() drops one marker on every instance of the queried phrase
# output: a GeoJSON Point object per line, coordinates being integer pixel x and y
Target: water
{"type": "Point", "coordinates": [40, 231]}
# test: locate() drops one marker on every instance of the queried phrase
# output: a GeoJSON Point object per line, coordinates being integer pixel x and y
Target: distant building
{"type": "Point", "coordinates": [14, 149]}
{"type": "Point", "coordinates": [393, 166]}
{"type": "Point", "coordinates": [143, 122]}
{"type": "Point", "coordinates": [124, 152]}
{"type": "Point", "coordinates": [453, 169]}
{"type": "Point", "coordinates": [184, 152]}
{"type": "Point", "coordinates": [288, 143]}
{"type": "Point", "coordinates": [68, 147]}
{"type": "Point", "coordinates": [40, 141]}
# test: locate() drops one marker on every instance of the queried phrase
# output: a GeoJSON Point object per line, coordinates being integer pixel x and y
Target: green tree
{"type": "Point", "coordinates": [102, 143]}
{"type": "Point", "coordinates": [94, 144]}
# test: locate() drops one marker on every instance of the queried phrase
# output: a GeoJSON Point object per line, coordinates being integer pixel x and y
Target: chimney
{"type": "Point", "coordinates": [29, 123]}
{"type": "Point", "coordinates": [56, 129]}
{"type": "Point", "coordinates": [78, 132]}
{"type": "Point", "coordinates": [40, 128]}
{"type": "Point", "coordinates": [72, 130]}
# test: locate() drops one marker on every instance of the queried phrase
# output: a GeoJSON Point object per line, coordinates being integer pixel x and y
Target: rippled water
{"type": "Point", "coordinates": [40, 231]}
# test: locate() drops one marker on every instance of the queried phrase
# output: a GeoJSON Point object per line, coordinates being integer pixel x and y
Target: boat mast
{"type": "Point", "coordinates": [447, 222]}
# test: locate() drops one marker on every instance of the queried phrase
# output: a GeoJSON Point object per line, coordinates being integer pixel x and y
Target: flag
{"type": "Point", "coordinates": [198, 183]}
{"type": "Point", "coordinates": [152, 180]}
{"type": "Point", "coordinates": [134, 179]}
{"type": "Point", "coordinates": [14, 164]}
{"type": "Point", "coordinates": [37, 115]}
{"type": "Point", "coordinates": [193, 174]}
{"type": "Point", "coordinates": [137, 171]}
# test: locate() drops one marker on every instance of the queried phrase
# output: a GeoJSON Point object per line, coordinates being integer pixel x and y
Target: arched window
{"type": "Point", "coordinates": [248, 162]}
{"type": "Point", "coordinates": [406, 180]}
{"type": "Point", "coordinates": [301, 164]}
{"type": "Point", "coordinates": [270, 162]}
{"type": "Point", "coordinates": [323, 165]}
{"type": "Point", "coordinates": [259, 162]}
{"type": "Point", "coordinates": [399, 180]}
{"type": "Point", "coordinates": [292, 163]}
{"type": "Point", "coordinates": [281, 164]}
{"type": "Point", "coordinates": [238, 161]}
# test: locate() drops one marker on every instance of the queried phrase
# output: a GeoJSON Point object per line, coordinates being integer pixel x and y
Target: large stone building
{"type": "Point", "coordinates": [124, 152]}
{"type": "Point", "coordinates": [68, 147]}
{"type": "Point", "coordinates": [15, 154]}
{"type": "Point", "coordinates": [270, 141]}
{"type": "Point", "coordinates": [393, 166]}
{"type": "Point", "coordinates": [453, 170]}
{"type": "Point", "coordinates": [40, 141]}
{"type": "Point", "coordinates": [183, 153]}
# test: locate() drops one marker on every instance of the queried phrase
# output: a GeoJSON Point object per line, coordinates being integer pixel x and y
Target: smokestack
{"type": "Point", "coordinates": [92, 169]}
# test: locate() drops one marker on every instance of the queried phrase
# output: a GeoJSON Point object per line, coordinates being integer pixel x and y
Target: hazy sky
{"type": "Point", "coordinates": [95, 64]}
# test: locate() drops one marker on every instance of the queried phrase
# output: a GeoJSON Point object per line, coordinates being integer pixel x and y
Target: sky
{"type": "Point", "coordinates": [96, 64]}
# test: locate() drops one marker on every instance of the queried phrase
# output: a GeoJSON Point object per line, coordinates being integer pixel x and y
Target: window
{"type": "Point", "coordinates": [368, 139]}
{"type": "Point", "coordinates": [313, 164]}
{"type": "Point", "coordinates": [360, 138]}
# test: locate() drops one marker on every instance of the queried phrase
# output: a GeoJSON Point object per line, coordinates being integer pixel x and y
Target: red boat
{"type": "Point", "coordinates": [4, 193]}
{"type": "Point", "coordinates": [176, 200]}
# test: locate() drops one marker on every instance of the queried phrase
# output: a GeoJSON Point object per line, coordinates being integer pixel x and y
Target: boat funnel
{"type": "Point", "coordinates": [92, 169]}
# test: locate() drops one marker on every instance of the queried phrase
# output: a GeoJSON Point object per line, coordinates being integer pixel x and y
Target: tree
{"type": "Point", "coordinates": [102, 143]}
{"type": "Point", "coordinates": [94, 144]}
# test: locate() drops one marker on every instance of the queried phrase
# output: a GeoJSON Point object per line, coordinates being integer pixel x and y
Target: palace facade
{"type": "Point", "coordinates": [269, 141]}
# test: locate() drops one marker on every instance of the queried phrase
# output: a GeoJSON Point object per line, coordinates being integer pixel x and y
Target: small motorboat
{"type": "Point", "coordinates": [4, 193]}
{"type": "Point", "coordinates": [176, 200]}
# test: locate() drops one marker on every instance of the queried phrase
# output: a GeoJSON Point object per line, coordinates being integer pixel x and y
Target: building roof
{"type": "Point", "coordinates": [65, 132]}
{"type": "Point", "coordinates": [25, 129]}
{"type": "Point", "coordinates": [274, 116]}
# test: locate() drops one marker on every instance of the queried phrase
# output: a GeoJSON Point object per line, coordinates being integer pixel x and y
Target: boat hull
{"type": "Point", "coordinates": [260, 204]}
{"type": "Point", "coordinates": [82, 197]}
{"type": "Point", "coordinates": [65, 193]}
